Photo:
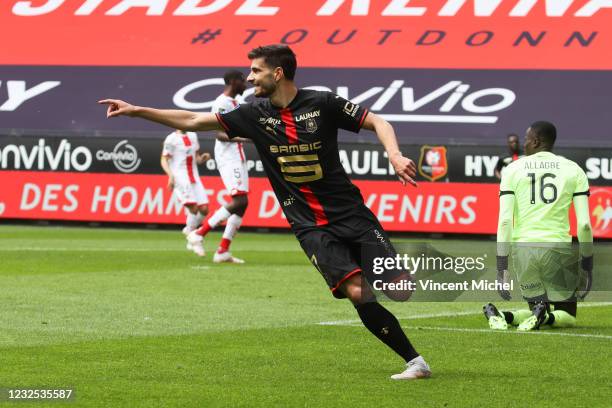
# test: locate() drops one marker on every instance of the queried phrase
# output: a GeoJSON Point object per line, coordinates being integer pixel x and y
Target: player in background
{"type": "Point", "coordinates": [179, 159]}
{"type": "Point", "coordinates": [231, 163]}
{"type": "Point", "coordinates": [295, 132]}
{"type": "Point", "coordinates": [514, 148]}
{"type": "Point", "coordinates": [535, 195]}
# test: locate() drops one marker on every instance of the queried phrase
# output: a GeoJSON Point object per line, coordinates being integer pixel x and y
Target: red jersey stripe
{"type": "Point", "coordinates": [189, 162]}
{"type": "Point", "coordinates": [365, 113]}
{"type": "Point", "coordinates": [241, 151]}
{"type": "Point", "coordinates": [186, 141]}
{"type": "Point", "coordinates": [311, 198]}
{"type": "Point", "coordinates": [315, 206]}
{"type": "Point", "coordinates": [223, 124]}
{"type": "Point", "coordinates": [290, 129]}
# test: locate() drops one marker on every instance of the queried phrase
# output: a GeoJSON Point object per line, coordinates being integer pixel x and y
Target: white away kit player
{"type": "Point", "coordinates": [180, 158]}
{"type": "Point", "coordinates": [231, 163]}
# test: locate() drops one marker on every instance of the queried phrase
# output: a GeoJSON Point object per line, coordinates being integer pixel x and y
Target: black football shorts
{"type": "Point", "coordinates": [345, 247]}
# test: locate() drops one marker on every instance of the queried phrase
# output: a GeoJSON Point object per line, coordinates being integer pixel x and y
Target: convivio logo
{"type": "Point", "coordinates": [124, 156]}
{"type": "Point", "coordinates": [454, 101]}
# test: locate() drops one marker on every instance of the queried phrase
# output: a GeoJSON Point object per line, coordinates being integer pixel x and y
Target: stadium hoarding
{"type": "Point", "coordinates": [515, 34]}
{"type": "Point", "coordinates": [120, 180]}
{"type": "Point", "coordinates": [434, 106]}
{"type": "Point", "coordinates": [143, 198]}
{"type": "Point", "coordinates": [361, 161]}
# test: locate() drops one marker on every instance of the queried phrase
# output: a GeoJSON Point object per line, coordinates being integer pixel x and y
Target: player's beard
{"type": "Point", "coordinates": [264, 90]}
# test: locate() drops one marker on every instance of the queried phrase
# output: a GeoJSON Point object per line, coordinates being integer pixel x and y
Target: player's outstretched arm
{"type": "Point", "coordinates": [176, 119]}
{"type": "Point", "coordinates": [404, 167]}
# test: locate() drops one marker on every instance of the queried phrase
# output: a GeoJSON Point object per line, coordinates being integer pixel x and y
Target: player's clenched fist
{"type": "Point", "coordinates": [404, 168]}
{"type": "Point", "coordinates": [117, 107]}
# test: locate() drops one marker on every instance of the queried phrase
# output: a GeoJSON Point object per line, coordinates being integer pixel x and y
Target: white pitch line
{"type": "Point", "coordinates": [545, 333]}
{"type": "Point", "coordinates": [353, 322]}
{"type": "Point", "coordinates": [414, 317]}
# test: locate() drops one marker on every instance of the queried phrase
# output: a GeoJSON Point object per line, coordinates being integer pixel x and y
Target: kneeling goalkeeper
{"type": "Point", "coordinates": [535, 195]}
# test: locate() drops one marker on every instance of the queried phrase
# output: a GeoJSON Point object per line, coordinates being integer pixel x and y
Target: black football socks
{"type": "Point", "coordinates": [385, 326]}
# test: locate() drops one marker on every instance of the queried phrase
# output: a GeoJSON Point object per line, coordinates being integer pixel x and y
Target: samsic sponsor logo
{"type": "Point", "coordinates": [66, 157]}
{"type": "Point", "coordinates": [298, 148]}
{"type": "Point", "coordinates": [455, 101]}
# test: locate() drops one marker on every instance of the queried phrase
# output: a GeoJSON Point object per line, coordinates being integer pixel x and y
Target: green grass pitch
{"type": "Point", "coordinates": [129, 318]}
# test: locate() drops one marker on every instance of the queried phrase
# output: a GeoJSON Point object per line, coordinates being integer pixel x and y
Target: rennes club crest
{"type": "Point", "coordinates": [432, 163]}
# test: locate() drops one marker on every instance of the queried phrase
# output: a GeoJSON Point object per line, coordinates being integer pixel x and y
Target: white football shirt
{"type": "Point", "coordinates": [227, 152]}
{"type": "Point", "coordinates": [181, 148]}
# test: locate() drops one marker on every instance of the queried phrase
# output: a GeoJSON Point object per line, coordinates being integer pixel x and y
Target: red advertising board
{"type": "Point", "coordinates": [432, 207]}
{"type": "Point", "coordinates": [513, 34]}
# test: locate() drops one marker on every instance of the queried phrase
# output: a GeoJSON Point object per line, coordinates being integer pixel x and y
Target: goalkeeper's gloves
{"type": "Point", "coordinates": [586, 264]}
{"type": "Point", "coordinates": [502, 276]}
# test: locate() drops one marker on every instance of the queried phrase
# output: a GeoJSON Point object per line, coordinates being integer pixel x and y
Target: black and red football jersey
{"type": "Point", "coordinates": [298, 146]}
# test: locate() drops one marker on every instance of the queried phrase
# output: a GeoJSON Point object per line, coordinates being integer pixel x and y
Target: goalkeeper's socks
{"type": "Point", "coordinates": [561, 319]}
{"type": "Point", "coordinates": [381, 323]}
{"type": "Point", "coordinates": [517, 317]}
